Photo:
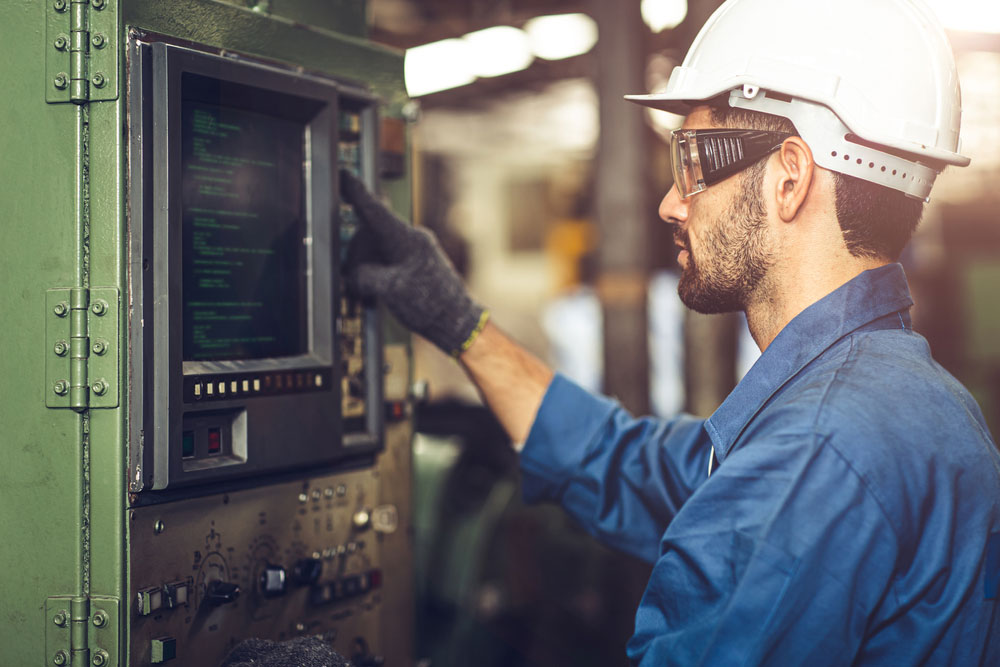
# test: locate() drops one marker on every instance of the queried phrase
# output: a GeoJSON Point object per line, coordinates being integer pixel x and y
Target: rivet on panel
{"type": "Point", "coordinates": [59, 5]}
{"type": "Point", "coordinates": [100, 658]}
{"type": "Point", "coordinates": [99, 307]}
{"type": "Point", "coordinates": [99, 80]}
{"type": "Point", "coordinates": [61, 43]}
{"type": "Point", "coordinates": [99, 4]}
{"type": "Point", "coordinates": [99, 347]}
{"type": "Point", "coordinates": [100, 387]}
{"type": "Point", "coordinates": [61, 387]}
{"type": "Point", "coordinates": [98, 41]}
{"type": "Point", "coordinates": [62, 307]}
{"type": "Point", "coordinates": [60, 658]}
{"type": "Point", "coordinates": [100, 619]}
{"type": "Point", "coordinates": [61, 348]}
{"type": "Point", "coordinates": [60, 619]}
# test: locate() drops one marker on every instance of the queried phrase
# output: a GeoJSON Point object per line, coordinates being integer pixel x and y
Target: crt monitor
{"type": "Point", "coordinates": [254, 358]}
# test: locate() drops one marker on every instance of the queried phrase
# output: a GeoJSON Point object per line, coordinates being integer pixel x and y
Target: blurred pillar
{"type": "Point", "coordinates": [622, 206]}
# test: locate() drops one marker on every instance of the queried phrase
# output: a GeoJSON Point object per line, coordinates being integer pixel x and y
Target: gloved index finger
{"type": "Point", "coordinates": [391, 231]}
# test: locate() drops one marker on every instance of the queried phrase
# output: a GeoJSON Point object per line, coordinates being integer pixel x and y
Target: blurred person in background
{"type": "Point", "coordinates": [842, 506]}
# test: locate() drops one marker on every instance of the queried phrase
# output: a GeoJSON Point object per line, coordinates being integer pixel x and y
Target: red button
{"type": "Point", "coordinates": [214, 441]}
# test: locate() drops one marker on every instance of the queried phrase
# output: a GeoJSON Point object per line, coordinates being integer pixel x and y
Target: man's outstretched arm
{"type": "Point", "coordinates": [510, 379]}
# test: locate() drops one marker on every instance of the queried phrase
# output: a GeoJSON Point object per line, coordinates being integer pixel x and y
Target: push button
{"type": "Point", "coordinates": [150, 601]}
{"type": "Point", "coordinates": [162, 650]}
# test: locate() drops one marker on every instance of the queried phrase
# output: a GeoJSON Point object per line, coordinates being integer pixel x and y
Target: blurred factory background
{"type": "Point", "coordinates": [543, 185]}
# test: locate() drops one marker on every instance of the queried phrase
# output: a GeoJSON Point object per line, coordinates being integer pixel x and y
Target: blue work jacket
{"type": "Point", "coordinates": [853, 516]}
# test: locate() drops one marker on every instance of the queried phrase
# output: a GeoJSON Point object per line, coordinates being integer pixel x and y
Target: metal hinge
{"type": "Point", "coordinates": [81, 341]}
{"type": "Point", "coordinates": [81, 51]}
{"type": "Point", "coordinates": [81, 631]}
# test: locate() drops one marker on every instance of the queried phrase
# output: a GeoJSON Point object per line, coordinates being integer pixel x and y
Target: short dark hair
{"type": "Point", "coordinates": [876, 221]}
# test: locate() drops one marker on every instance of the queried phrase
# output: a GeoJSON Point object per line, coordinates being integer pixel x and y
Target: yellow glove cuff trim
{"type": "Point", "coordinates": [483, 318]}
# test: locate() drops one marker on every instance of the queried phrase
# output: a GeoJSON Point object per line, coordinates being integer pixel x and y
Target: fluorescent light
{"type": "Point", "coordinates": [968, 15]}
{"type": "Point", "coordinates": [661, 15]}
{"type": "Point", "coordinates": [561, 36]}
{"type": "Point", "coordinates": [437, 66]}
{"type": "Point", "coordinates": [496, 51]}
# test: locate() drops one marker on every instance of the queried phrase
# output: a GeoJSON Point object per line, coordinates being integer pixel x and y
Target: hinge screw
{"type": "Point", "coordinates": [60, 619]}
{"type": "Point", "coordinates": [60, 658]}
{"type": "Point", "coordinates": [101, 658]}
{"type": "Point", "coordinates": [60, 81]}
{"type": "Point", "coordinates": [99, 307]}
{"type": "Point", "coordinates": [98, 41]}
{"type": "Point", "coordinates": [61, 309]}
{"type": "Point", "coordinates": [61, 387]}
{"type": "Point", "coordinates": [100, 387]}
{"type": "Point", "coordinates": [98, 4]}
{"type": "Point", "coordinates": [100, 619]}
{"type": "Point", "coordinates": [61, 348]}
{"type": "Point", "coordinates": [61, 43]}
{"type": "Point", "coordinates": [59, 5]}
{"type": "Point", "coordinates": [99, 80]}
{"type": "Point", "coordinates": [100, 347]}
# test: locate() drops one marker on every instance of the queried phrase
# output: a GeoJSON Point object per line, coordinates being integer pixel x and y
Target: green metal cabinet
{"type": "Point", "coordinates": [65, 509]}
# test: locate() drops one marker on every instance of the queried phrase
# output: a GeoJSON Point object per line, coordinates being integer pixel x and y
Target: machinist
{"type": "Point", "coordinates": [842, 506]}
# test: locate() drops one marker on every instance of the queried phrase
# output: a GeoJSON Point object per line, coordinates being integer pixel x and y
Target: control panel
{"type": "Point", "coordinates": [300, 558]}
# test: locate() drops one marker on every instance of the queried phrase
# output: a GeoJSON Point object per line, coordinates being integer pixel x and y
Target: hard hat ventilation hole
{"type": "Point", "coordinates": [860, 160]}
{"type": "Point", "coordinates": [847, 157]}
{"type": "Point", "coordinates": [893, 172]}
{"type": "Point", "coordinates": [904, 176]}
{"type": "Point", "coordinates": [833, 154]}
{"type": "Point", "coordinates": [883, 170]}
{"type": "Point", "coordinates": [871, 165]}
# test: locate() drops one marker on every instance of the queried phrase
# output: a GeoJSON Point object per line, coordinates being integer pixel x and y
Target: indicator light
{"type": "Point", "coordinates": [214, 441]}
{"type": "Point", "coordinates": [187, 445]}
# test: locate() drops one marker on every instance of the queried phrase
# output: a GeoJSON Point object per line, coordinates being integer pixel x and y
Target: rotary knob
{"type": "Point", "coordinates": [307, 571]}
{"type": "Point", "coordinates": [221, 592]}
{"type": "Point", "coordinates": [273, 581]}
{"type": "Point", "coordinates": [362, 519]}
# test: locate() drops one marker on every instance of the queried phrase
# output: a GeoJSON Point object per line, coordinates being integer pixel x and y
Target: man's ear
{"type": "Point", "coordinates": [796, 171]}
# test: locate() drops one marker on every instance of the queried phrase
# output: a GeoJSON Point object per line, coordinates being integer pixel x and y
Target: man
{"type": "Point", "coordinates": [843, 505]}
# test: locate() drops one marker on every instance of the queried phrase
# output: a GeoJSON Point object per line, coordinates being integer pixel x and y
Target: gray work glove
{"type": "Point", "coordinates": [405, 268]}
{"type": "Point", "coordinates": [300, 652]}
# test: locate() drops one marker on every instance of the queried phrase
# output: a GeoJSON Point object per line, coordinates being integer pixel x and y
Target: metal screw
{"type": "Point", "coordinates": [60, 658]}
{"type": "Point", "coordinates": [61, 387]}
{"type": "Point", "coordinates": [99, 347]}
{"type": "Point", "coordinates": [159, 526]}
{"type": "Point", "coordinates": [60, 619]}
{"type": "Point", "coordinates": [99, 80]}
{"type": "Point", "coordinates": [59, 5]}
{"type": "Point", "coordinates": [100, 658]}
{"type": "Point", "coordinates": [98, 41]}
{"type": "Point", "coordinates": [100, 619]}
{"type": "Point", "coordinates": [61, 308]}
{"type": "Point", "coordinates": [61, 43]}
{"type": "Point", "coordinates": [100, 387]}
{"type": "Point", "coordinates": [98, 4]}
{"type": "Point", "coordinates": [61, 348]}
{"type": "Point", "coordinates": [99, 307]}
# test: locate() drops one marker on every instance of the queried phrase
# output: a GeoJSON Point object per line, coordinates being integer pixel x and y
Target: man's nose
{"type": "Point", "coordinates": [673, 209]}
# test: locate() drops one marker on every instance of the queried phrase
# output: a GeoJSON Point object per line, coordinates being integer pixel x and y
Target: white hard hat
{"type": "Point", "coordinates": [853, 76]}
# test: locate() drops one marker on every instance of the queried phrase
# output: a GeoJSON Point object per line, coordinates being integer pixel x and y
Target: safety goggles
{"type": "Point", "coordinates": [701, 158]}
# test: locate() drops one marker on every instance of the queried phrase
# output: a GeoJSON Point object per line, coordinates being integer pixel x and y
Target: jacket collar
{"type": "Point", "coordinates": [862, 300]}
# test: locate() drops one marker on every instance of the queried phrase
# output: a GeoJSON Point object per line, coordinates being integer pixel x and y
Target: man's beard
{"type": "Point", "coordinates": [735, 254]}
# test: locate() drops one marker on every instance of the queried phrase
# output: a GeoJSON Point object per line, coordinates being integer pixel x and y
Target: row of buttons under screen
{"type": "Point", "coordinates": [203, 388]}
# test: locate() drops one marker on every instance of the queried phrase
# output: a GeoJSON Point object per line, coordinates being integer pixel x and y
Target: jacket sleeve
{"type": "Point", "coordinates": [622, 478]}
{"type": "Point", "coordinates": [779, 558]}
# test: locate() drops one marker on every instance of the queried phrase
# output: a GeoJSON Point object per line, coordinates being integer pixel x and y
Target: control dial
{"type": "Point", "coordinates": [273, 581]}
{"type": "Point", "coordinates": [219, 592]}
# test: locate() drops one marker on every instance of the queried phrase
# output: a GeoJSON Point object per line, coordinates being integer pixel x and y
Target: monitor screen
{"type": "Point", "coordinates": [244, 233]}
